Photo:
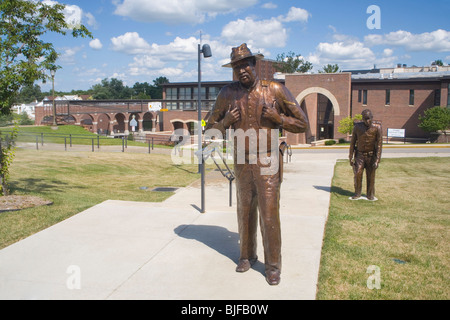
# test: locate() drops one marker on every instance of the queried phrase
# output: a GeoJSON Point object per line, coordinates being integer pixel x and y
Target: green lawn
{"type": "Point", "coordinates": [405, 233]}
{"type": "Point", "coordinates": [75, 181]}
{"type": "Point", "coordinates": [77, 134]}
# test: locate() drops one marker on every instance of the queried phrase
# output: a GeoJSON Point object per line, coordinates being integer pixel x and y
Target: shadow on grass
{"type": "Point", "coordinates": [33, 185]}
{"type": "Point", "coordinates": [188, 170]}
{"type": "Point", "coordinates": [342, 192]}
{"type": "Point", "coordinates": [336, 190]}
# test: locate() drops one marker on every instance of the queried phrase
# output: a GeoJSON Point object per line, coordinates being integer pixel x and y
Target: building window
{"type": "Point", "coordinates": [213, 93]}
{"type": "Point", "coordinates": [359, 95]}
{"type": "Point", "coordinates": [364, 97]}
{"type": "Point", "coordinates": [411, 97]}
{"type": "Point", "coordinates": [171, 105]}
{"type": "Point", "coordinates": [171, 93]}
{"type": "Point", "coordinates": [202, 93]}
{"type": "Point", "coordinates": [437, 97]}
{"type": "Point", "coordinates": [448, 96]}
{"type": "Point", "coordinates": [388, 97]}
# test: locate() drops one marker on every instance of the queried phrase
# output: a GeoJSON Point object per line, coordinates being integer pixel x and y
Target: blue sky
{"type": "Point", "coordinates": [140, 40]}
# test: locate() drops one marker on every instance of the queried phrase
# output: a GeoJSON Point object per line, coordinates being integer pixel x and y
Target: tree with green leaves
{"type": "Point", "coordinates": [142, 90]}
{"type": "Point", "coordinates": [7, 153]}
{"type": "Point", "coordinates": [30, 93]}
{"type": "Point", "coordinates": [438, 62]}
{"type": "Point", "coordinates": [291, 63]}
{"type": "Point", "coordinates": [435, 119]}
{"type": "Point", "coordinates": [24, 56]}
{"type": "Point", "coordinates": [111, 89]}
{"type": "Point", "coordinates": [346, 124]}
{"type": "Point", "coordinates": [330, 68]}
{"type": "Point", "coordinates": [157, 89]}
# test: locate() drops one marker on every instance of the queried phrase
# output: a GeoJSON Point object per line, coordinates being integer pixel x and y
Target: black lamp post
{"type": "Point", "coordinates": [52, 72]}
{"type": "Point", "coordinates": [206, 50]}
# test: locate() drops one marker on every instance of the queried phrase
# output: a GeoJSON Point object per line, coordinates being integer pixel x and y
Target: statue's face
{"type": "Point", "coordinates": [245, 72]}
{"type": "Point", "coordinates": [367, 120]}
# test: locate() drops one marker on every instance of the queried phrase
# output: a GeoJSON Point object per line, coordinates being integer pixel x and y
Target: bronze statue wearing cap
{"type": "Point", "coordinates": [262, 107]}
{"type": "Point", "coordinates": [365, 153]}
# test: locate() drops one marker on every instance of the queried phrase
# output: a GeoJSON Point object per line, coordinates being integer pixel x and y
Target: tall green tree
{"type": "Point", "coordinates": [157, 90]}
{"type": "Point", "coordinates": [435, 119]}
{"type": "Point", "coordinates": [142, 90]}
{"type": "Point", "coordinates": [111, 89]}
{"type": "Point", "coordinates": [29, 93]}
{"type": "Point", "coordinates": [24, 56]}
{"type": "Point", "coordinates": [291, 63]}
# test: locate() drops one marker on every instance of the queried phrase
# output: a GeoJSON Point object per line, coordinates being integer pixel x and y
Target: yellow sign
{"type": "Point", "coordinates": [203, 123]}
{"type": "Point", "coordinates": [162, 110]}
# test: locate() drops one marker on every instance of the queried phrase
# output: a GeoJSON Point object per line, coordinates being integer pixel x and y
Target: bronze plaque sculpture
{"type": "Point", "coordinates": [365, 153]}
{"type": "Point", "coordinates": [256, 109]}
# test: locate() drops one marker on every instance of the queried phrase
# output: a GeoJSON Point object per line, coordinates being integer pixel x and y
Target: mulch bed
{"type": "Point", "coordinates": [18, 202]}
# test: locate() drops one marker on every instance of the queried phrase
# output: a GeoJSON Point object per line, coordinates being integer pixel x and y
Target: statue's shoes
{"type": "Point", "coordinates": [273, 277]}
{"type": "Point", "coordinates": [245, 264]}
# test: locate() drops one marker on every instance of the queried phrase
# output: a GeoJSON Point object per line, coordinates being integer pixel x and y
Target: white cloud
{"type": "Point", "coordinates": [262, 34]}
{"type": "Point", "coordinates": [296, 14]}
{"type": "Point", "coordinates": [179, 49]}
{"type": "Point", "coordinates": [350, 54]}
{"type": "Point", "coordinates": [91, 21]}
{"type": "Point", "coordinates": [177, 11]}
{"type": "Point", "coordinates": [269, 5]}
{"type": "Point", "coordinates": [130, 43]}
{"type": "Point", "coordinates": [344, 51]}
{"type": "Point", "coordinates": [146, 61]}
{"type": "Point", "coordinates": [347, 54]}
{"type": "Point", "coordinates": [171, 72]}
{"type": "Point", "coordinates": [74, 15]}
{"type": "Point", "coordinates": [68, 56]}
{"type": "Point", "coordinates": [438, 41]}
{"type": "Point", "coordinates": [387, 52]}
{"type": "Point", "coordinates": [257, 34]}
{"type": "Point", "coordinates": [95, 44]}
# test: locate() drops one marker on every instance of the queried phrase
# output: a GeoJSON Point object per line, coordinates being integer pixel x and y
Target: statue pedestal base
{"type": "Point", "coordinates": [362, 198]}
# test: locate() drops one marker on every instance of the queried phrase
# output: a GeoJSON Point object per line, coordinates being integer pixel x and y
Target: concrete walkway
{"type": "Point", "coordinates": [135, 250]}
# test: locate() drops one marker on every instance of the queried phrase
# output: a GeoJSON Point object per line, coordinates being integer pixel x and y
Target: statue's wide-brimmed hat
{"type": "Point", "coordinates": [240, 53]}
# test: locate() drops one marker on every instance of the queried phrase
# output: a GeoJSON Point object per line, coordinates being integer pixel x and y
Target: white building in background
{"type": "Point", "coordinates": [28, 108]}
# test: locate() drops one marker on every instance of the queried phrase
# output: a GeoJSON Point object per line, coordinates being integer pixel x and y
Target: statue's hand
{"type": "Point", "coordinates": [352, 162]}
{"type": "Point", "coordinates": [231, 117]}
{"type": "Point", "coordinates": [271, 114]}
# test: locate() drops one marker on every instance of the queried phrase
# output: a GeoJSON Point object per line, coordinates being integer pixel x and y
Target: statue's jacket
{"type": "Point", "coordinates": [367, 140]}
{"type": "Point", "coordinates": [250, 103]}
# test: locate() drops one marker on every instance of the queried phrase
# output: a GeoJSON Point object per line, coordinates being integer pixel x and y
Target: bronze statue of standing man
{"type": "Point", "coordinates": [365, 147]}
{"type": "Point", "coordinates": [258, 109]}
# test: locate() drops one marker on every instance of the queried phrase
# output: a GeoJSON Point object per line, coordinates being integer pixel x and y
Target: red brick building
{"type": "Point", "coordinates": [398, 100]}
{"type": "Point", "coordinates": [396, 97]}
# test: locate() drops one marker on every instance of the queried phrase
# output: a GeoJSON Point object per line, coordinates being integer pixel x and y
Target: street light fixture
{"type": "Point", "coordinates": [52, 72]}
{"type": "Point", "coordinates": [206, 50]}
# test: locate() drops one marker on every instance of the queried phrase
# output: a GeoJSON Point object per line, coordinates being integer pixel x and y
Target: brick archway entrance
{"type": "Point", "coordinates": [326, 100]}
{"type": "Point", "coordinates": [321, 107]}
